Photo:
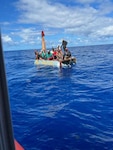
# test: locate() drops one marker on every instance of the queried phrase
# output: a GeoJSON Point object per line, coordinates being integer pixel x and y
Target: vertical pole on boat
{"type": "Point", "coordinates": [6, 131]}
{"type": "Point", "coordinates": [43, 41]}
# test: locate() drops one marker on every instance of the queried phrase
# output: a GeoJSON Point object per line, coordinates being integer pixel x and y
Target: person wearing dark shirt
{"type": "Point", "coordinates": [64, 44]}
{"type": "Point", "coordinates": [67, 54]}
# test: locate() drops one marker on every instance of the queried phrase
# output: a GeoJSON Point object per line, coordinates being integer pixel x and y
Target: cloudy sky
{"type": "Point", "coordinates": [80, 22]}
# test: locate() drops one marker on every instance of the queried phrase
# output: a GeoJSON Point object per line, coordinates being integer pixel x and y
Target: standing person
{"type": "Point", "coordinates": [64, 44]}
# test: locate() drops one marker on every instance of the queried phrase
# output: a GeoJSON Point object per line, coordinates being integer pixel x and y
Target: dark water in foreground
{"type": "Point", "coordinates": [63, 109]}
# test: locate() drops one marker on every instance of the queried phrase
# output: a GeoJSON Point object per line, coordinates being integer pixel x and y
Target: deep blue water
{"type": "Point", "coordinates": [62, 109]}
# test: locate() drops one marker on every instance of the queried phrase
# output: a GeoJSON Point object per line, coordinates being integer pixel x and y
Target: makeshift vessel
{"type": "Point", "coordinates": [54, 60]}
{"type": "Point", "coordinates": [56, 63]}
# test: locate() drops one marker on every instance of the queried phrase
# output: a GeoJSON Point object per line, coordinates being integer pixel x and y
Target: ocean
{"type": "Point", "coordinates": [62, 109]}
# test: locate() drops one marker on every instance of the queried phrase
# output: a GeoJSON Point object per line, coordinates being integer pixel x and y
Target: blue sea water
{"type": "Point", "coordinates": [62, 109]}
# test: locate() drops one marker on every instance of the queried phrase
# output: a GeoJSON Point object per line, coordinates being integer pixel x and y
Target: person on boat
{"type": "Point", "coordinates": [37, 55]}
{"type": "Point", "coordinates": [43, 54]}
{"type": "Point", "coordinates": [54, 53]}
{"type": "Point", "coordinates": [64, 44]}
{"type": "Point", "coordinates": [67, 54]}
{"type": "Point", "coordinates": [46, 55]}
{"type": "Point", "coordinates": [59, 55]}
{"type": "Point", "coordinates": [59, 47]}
{"type": "Point", "coordinates": [49, 55]}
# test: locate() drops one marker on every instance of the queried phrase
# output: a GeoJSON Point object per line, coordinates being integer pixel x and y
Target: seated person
{"type": "Point", "coordinates": [49, 55]}
{"type": "Point", "coordinates": [54, 53]}
{"type": "Point", "coordinates": [37, 55]}
{"type": "Point", "coordinates": [46, 55]}
{"type": "Point", "coordinates": [43, 54]}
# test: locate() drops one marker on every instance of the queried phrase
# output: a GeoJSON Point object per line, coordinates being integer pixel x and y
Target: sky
{"type": "Point", "coordinates": [80, 22]}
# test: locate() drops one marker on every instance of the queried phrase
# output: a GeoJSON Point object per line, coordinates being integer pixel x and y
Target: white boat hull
{"type": "Point", "coordinates": [53, 63]}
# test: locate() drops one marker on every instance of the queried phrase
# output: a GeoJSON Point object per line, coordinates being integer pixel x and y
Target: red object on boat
{"type": "Point", "coordinates": [43, 33]}
{"type": "Point", "coordinates": [18, 146]}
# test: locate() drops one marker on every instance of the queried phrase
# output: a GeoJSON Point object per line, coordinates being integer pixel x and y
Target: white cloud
{"type": "Point", "coordinates": [18, 37]}
{"type": "Point", "coordinates": [7, 39]}
{"type": "Point", "coordinates": [85, 20]}
{"type": "Point", "coordinates": [8, 42]}
{"type": "Point", "coordinates": [27, 35]}
{"type": "Point", "coordinates": [107, 31]}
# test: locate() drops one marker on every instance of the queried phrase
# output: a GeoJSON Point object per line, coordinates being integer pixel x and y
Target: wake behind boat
{"type": "Point", "coordinates": [55, 57]}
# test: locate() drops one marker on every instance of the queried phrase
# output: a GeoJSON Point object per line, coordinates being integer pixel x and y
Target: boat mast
{"type": "Point", "coordinates": [43, 41]}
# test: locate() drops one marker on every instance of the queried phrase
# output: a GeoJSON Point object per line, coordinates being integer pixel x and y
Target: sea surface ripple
{"type": "Point", "coordinates": [62, 109]}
